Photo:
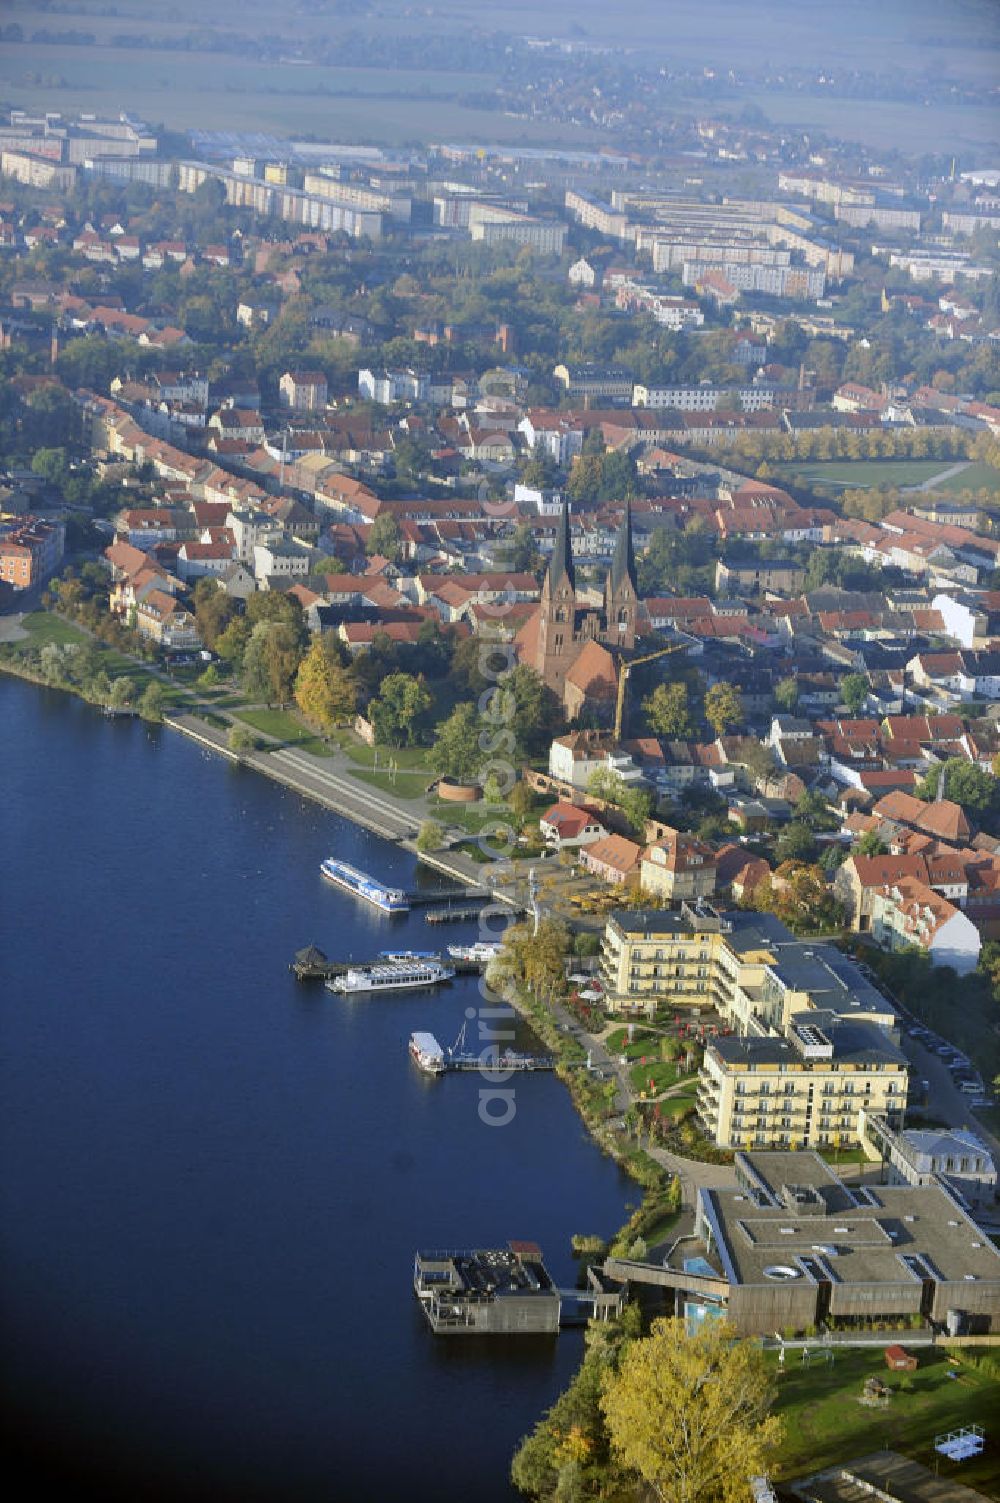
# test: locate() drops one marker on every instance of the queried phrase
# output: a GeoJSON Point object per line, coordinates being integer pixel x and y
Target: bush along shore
{"type": "Point", "coordinates": [89, 672]}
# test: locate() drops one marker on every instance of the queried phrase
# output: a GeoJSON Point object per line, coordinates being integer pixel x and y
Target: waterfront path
{"type": "Point", "coordinates": [330, 782]}
{"type": "Point", "coordinates": [692, 1173]}
{"type": "Point", "coordinates": [11, 629]}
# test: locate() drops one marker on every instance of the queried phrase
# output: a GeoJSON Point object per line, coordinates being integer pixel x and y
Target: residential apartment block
{"type": "Point", "coordinates": [30, 550]}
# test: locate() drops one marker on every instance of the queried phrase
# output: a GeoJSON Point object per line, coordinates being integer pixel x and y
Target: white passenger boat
{"type": "Point", "coordinates": [482, 952]}
{"type": "Point", "coordinates": [392, 976]}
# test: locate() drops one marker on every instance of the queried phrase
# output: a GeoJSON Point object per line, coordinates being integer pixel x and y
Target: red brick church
{"type": "Point", "coordinates": [572, 645]}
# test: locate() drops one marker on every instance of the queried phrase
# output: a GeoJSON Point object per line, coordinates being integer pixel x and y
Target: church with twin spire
{"type": "Point", "coordinates": [576, 646]}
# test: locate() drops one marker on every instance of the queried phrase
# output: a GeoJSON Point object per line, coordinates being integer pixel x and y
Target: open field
{"type": "Point", "coordinates": [975, 477]}
{"type": "Point", "coordinates": [849, 474]}
{"type": "Point", "coordinates": [712, 32]}
{"type": "Point", "coordinates": [183, 75]}
{"type": "Point", "coordinates": [825, 1423]}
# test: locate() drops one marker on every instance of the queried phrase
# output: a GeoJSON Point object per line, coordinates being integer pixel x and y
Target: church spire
{"type": "Point", "coordinates": [623, 562]}
{"type": "Point", "coordinates": [561, 562]}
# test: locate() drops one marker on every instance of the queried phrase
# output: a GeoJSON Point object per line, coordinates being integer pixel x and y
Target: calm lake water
{"type": "Point", "coordinates": [213, 1179]}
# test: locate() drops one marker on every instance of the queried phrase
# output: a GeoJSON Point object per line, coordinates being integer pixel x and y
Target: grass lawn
{"type": "Point", "coordinates": [407, 783]}
{"type": "Point", "coordinates": [975, 477]}
{"type": "Point", "coordinates": [43, 627]}
{"type": "Point", "coordinates": [642, 1043]}
{"type": "Point", "coordinates": [285, 728]}
{"type": "Point", "coordinates": [825, 1424]}
{"type": "Point", "coordinates": [662, 1072]}
{"type": "Point", "coordinates": [856, 474]}
{"type": "Point", "coordinates": [677, 1106]}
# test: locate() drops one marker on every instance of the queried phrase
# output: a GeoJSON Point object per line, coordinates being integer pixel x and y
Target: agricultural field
{"type": "Point", "coordinates": [250, 66]}
{"type": "Point", "coordinates": [825, 1423]}
{"type": "Point", "coordinates": [857, 474]}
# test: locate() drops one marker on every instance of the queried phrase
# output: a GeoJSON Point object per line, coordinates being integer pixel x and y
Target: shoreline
{"type": "Point", "coordinates": [349, 804]}
{"type": "Point", "coordinates": [209, 739]}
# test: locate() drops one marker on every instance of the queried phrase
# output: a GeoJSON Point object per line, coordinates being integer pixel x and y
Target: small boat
{"type": "Point", "coordinates": [427, 1053]}
{"type": "Point", "coordinates": [482, 952]}
{"type": "Point", "coordinates": [400, 956]}
{"type": "Point", "coordinates": [391, 976]}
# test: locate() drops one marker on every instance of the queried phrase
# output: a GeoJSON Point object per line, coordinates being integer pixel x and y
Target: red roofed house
{"type": "Point", "coordinates": [613, 859]}
{"type": "Point", "coordinates": [907, 913]}
{"type": "Point", "coordinates": [570, 826]}
{"type": "Point", "coordinates": [943, 818]}
{"type": "Point", "coordinates": [678, 867]}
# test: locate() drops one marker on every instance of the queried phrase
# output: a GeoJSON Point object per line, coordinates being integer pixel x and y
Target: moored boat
{"type": "Point", "coordinates": [391, 976]}
{"type": "Point", "coordinates": [389, 899]}
{"type": "Point", "coordinates": [427, 1053]}
{"type": "Point", "coordinates": [481, 953]}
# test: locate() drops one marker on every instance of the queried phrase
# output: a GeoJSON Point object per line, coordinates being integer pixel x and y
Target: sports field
{"type": "Point", "coordinates": [850, 474]}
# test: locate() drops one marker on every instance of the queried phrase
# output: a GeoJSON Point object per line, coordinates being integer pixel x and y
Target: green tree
{"type": "Point", "coordinates": [668, 712]}
{"type": "Point", "coordinates": [51, 464]}
{"type": "Point", "coordinates": [540, 469]}
{"type": "Point", "coordinates": [690, 1414]}
{"type": "Point", "coordinates": [430, 836]}
{"type": "Point", "coordinates": [397, 712]}
{"type": "Point", "coordinates": [528, 709]}
{"type": "Point", "coordinates": [795, 842]}
{"type": "Point", "coordinates": [232, 643]}
{"type": "Point", "coordinates": [242, 740]}
{"type": "Point", "coordinates": [456, 751]}
{"type": "Point", "coordinates": [758, 759]}
{"type": "Point", "coordinates": [325, 692]}
{"type": "Point", "coordinates": [384, 537]}
{"type": "Point", "coordinates": [213, 610]}
{"type": "Point", "coordinates": [723, 707]}
{"type": "Point", "coordinates": [786, 692]}
{"type": "Point", "coordinates": [121, 693]}
{"type": "Point", "coordinates": [812, 809]}
{"type": "Point", "coordinates": [869, 844]}
{"type": "Point", "coordinates": [271, 661]}
{"type": "Point", "coordinates": [153, 701]}
{"type": "Point", "coordinates": [635, 803]}
{"type": "Point", "coordinates": [854, 691]}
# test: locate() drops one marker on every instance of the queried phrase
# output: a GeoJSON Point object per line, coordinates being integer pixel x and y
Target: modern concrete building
{"type": "Point", "coordinates": [791, 1246]}
{"type": "Point", "coordinates": [498, 1291]}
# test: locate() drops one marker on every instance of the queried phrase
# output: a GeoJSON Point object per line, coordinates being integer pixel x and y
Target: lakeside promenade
{"type": "Point", "coordinates": [328, 781]}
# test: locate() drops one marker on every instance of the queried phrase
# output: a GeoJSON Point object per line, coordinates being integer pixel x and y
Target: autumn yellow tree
{"type": "Point", "coordinates": [723, 707]}
{"type": "Point", "coordinates": [690, 1414]}
{"type": "Point", "coordinates": [324, 690]}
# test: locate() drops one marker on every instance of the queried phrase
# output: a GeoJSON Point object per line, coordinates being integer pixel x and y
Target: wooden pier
{"type": "Point", "coordinates": [421, 897]}
{"type": "Point", "coordinates": [311, 964]}
{"type": "Point", "coordinates": [452, 915]}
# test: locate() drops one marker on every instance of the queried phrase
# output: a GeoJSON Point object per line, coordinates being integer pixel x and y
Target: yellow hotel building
{"type": "Point", "coordinates": [813, 1040]}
